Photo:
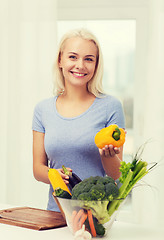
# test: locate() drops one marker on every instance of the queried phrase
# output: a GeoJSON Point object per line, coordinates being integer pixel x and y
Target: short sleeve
{"type": "Point", "coordinates": [37, 123]}
{"type": "Point", "coordinates": [115, 114]}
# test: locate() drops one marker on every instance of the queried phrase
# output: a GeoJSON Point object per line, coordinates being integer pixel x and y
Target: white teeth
{"type": "Point", "coordinates": [79, 74]}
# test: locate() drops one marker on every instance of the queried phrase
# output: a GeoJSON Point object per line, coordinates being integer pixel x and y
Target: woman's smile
{"type": "Point", "coordinates": [78, 74]}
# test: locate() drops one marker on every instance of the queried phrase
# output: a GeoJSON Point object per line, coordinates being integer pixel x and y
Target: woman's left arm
{"type": "Point", "coordinates": [111, 158]}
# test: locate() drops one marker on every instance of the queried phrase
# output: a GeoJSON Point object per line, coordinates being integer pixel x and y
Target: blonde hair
{"type": "Point", "coordinates": [95, 84]}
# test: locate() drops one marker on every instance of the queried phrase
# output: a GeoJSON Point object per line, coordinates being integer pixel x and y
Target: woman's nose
{"type": "Point", "coordinates": [80, 64]}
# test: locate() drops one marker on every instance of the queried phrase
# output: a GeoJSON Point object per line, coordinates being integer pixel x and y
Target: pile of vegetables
{"type": "Point", "coordinates": [100, 196]}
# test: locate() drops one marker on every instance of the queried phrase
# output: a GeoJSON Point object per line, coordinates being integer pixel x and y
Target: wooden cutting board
{"type": "Point", "coordinates": [32, 218]}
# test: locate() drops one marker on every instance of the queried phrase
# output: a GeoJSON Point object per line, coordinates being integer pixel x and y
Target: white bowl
{"type": "Point", "coordinates": [74, 210]}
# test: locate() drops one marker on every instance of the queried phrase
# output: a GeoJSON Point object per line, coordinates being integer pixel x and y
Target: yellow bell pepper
{"type": "Point", "coordinates": [56, 180]}
{"type": "Point", "coordinates": [112, 135]}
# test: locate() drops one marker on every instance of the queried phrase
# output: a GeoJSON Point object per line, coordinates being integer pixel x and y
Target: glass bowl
{"type": "Point", "coordinates": [86, 217]}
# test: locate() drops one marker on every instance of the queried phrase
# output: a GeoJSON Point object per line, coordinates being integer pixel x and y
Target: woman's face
{"type": "Point", "coordinates": [78, 61]}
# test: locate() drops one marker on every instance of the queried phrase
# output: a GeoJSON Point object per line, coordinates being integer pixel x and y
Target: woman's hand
{"type": "Point", "coordinates": [111, 158]}
{"type": "Point", "coordinates": [63, 175]}
{"type": "Point", "coordinates": [109, 151]}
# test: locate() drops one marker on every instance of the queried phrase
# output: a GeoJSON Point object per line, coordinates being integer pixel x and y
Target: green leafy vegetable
{"type": "Point", "coordinates": [96, 192]}
{"type": "Point", "coordinates": [62, 193]}
{"type": "Point", "coordinates": [131, 173]}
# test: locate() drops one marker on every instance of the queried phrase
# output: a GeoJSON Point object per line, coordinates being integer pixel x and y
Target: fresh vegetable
{"type": "Point", "coordinates": [112, 191]}
{"type": "Point", "coordinates": [78, 219]}
{"type": "Point", "coordinates": [91, 223]}
{"type": "Point", "coordinates": [103, 197]}
{"type": "Point", "coordinates": [131, 174]}
{"type": "Point", "coordinates": [112, 135]}
{"type": "Point", "coordinates": [83, 219]}
{"type": "Point", "coordinates": [99, 197]}
{"type": "Point", "coordinates": [74, 224]}
{"type": "Point", "coordinates": [100, 229]}
{"type": "Point", "coordinates": [56, 180]}
{"type": "Point", "coordinates": [96, 193]}
{"type": "Point", "coordinates": [62, 193]}
{"type": "Point", "coordinates": [73, 178]}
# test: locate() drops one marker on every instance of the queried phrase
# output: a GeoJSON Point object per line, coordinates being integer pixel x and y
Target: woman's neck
{"type": "Point", "coordinates": [73, 104]}
{"type": "Point", "coordinates": [76, 94]}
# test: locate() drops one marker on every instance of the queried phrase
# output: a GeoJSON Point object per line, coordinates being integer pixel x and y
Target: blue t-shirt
{"type": "Point", "coordinates": [70, 141]}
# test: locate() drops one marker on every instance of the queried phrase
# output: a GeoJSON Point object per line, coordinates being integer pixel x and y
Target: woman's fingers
{"type": "Point", "coordinates": [64, 176]}
{"type": "Point", "coordinates": [109, 151]}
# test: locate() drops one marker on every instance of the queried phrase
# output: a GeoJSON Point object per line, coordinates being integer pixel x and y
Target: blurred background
{"type": "Point", "coordinates": [131, 33]}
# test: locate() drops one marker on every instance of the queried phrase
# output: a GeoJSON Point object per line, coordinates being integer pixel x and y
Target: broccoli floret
{"type": "Point", "coordinates": [84, 196]}
{"type": "Point", "coordinates": [62, 193]}
{"type": "Point", "coordinates": [97, 191]}
{"type": "Point", "coordinates": [82, 188]}
{"type": "Point", "coordinates": [96, 194]}
{"type": "Point", "coordinates": [105, 180]}
{"type": "Point", "coordinates": [100, 229]}
{"type": "Point", "coordinates": [112, 191]}
{"type": "Point", "coordinates": [98, 188]}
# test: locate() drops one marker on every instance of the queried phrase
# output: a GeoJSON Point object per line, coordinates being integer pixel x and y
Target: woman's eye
{"type": "Point", "coordinates": [72, 57]}
{"type": "Point", "coordinates": [89, 59]}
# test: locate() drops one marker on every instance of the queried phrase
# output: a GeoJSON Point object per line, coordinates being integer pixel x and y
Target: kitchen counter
{"type": "Point", "coordinates": [119, 231]}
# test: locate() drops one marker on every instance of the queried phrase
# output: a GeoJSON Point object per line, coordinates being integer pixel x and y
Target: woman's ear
{"type": "Point", "coordinates": [59, 61]}
{"type": "Point", "coordinates": [59, 64]}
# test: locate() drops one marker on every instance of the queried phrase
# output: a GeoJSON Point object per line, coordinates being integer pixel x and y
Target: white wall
{"type": "Point", "coordinates": [28, 43]}
{"type": "Point", "coordinates": [148, 201]}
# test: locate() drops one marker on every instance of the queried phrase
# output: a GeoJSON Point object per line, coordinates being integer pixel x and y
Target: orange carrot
{"type": "Point", "coordinates": [78, 219]}
{"type": "Point", "coordinates": [91, 223]}
{"type": "Point", "coordinates": [82, 220]}
{"type": "Point", "coordinates": [74, 213]}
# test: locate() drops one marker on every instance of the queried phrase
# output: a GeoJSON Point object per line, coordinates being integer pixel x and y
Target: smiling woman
{"type": "Point", "coordinates": [79, 103]}
{"type": "Point", "coordinates": [78, 68]}
{"type": "Point", "coordinates": [78, 54]}
{"type": "Point", "coordinates": [119, 63]}
{"type": "Point", "coordinates": [78, 61]}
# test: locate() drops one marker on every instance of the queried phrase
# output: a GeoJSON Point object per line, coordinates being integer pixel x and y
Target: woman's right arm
{"type": "Point", "coordinates": [40, 162]}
